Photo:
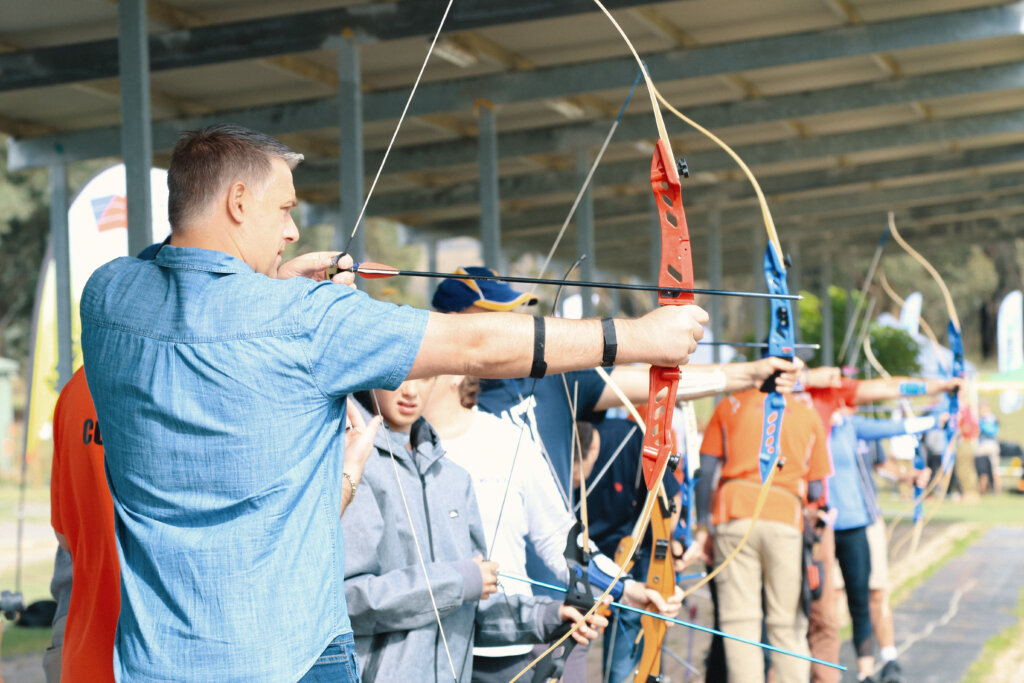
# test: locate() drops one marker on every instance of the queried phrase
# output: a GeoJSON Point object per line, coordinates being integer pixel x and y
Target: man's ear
{"type": "Point", "coordinates": [235, 200]}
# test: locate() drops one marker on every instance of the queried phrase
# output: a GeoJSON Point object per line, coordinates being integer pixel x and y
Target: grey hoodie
{"type": "Point", "coordinates": [393, 620]}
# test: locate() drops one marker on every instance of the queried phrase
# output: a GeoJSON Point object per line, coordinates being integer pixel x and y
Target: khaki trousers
{"type": "Point", "coordinates": [771, 560]}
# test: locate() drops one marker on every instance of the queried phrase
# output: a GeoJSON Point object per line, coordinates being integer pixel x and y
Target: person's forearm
{"type": "Point", "coordinates": [503, 344]}
{"type": "Point", "coordinates": [695, 381]}
{"type": "Point", "coordinates": [699, 381]}
{"type": "Point", "coordinates": [885, 389]}
{"type": "Point", "coordinates": [869, 429]}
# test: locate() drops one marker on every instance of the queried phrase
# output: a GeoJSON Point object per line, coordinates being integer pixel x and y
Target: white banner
{"type": "Point", "coordinates": [1010, 340]}
{"type": "Point", "coordinates": [910, 314]}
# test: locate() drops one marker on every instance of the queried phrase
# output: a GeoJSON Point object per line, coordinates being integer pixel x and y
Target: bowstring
{"type": "Point", "coordinates": [415, 537]}
{"type": "Point", "coordinates": [348, 243]}
{"type": "Point", "coordinates": [394, 135]}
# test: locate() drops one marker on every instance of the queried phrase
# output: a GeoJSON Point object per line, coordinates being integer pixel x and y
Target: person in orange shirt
{"type": "Point", "coordinates": [771, 560]}
{"type": "Point", "coordinates": [82, 516]}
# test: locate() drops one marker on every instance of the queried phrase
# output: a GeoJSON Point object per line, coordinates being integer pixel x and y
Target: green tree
{"type": "Point", "coordinates": [24, 232]}
{"type": "Point", "coordinates": [894, 348]}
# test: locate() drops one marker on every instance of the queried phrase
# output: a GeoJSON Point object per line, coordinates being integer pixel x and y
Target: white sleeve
{"type": "Point", "coordinates": [547, 518]}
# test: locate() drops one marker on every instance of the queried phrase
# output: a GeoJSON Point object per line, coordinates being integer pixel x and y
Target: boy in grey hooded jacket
{"type": "Point", "coordinates": [389, 601]}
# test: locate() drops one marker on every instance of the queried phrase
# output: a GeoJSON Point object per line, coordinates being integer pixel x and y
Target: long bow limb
{"type": "Point", "coordinates": [925, 327]}
{"type": "Point", "coordinates": [955, 337]}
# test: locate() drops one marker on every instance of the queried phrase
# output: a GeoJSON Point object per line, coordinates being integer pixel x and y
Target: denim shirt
{"type": "Point", "coordinates": [221, 395]}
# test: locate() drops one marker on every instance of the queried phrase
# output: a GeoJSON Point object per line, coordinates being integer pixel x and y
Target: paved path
{"type": "Point", "coordinates": [943, 625]}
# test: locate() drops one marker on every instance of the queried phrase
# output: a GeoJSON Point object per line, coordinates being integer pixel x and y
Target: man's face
{"type": "Point", "coordinates": [268, 221]}
{"type": "Point", "coordinates": [589, 459]}
{"type": "Point", "coordinates": [402, 407]}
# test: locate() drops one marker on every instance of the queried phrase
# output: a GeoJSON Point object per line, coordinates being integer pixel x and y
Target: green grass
{"type": "Point", "coordinates": [1004, 509]}
{"type": "Point", "coordinates": [981, 670]}
{"type": "Point", "coordinates": [35, 580]}
{"type": "Point", "coordinates": [37, 499]}
{"type": "Point", "coordinates": [22, 641]}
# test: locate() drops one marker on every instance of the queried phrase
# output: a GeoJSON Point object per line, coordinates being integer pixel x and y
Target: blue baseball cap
{"type": "Point", "coordinates": [457, 294]}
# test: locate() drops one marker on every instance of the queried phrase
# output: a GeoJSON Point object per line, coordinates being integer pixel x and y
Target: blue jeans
{"type": "Point", "coordinates": [337, 664]}
{"type": "Point", "coordinates": [623, 653]}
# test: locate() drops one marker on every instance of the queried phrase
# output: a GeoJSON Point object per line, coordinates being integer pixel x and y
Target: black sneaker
{"type": "Point", "coordinates": [891, 672]}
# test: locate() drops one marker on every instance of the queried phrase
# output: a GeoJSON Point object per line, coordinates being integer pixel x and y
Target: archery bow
{"type": "Point", "coordinates": [952, 429]}
{"type": "Point", "coordinates": [676, 272]}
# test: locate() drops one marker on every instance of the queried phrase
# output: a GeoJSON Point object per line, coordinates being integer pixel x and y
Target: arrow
{"type": "Point", "coordinates": [680, 622]}
{"type": "Point", "coordinates": [374, 271]}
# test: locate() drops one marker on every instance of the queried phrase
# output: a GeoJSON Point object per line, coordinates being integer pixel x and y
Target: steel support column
{"type": "Point", "coordinates": [136, 128]}
{"type": "Point", "coordinates": [585, 244]}
{"type": "Point", "coordinates": [827, 336]}
{"type": "Point", "coordinates": [61, 250]}
{"type": "Point", "coordinates": [431, 245]}
{"type": "Point", "coordinates": [490, 210]}
{"type": "Point", "coordinates": [350, 158]}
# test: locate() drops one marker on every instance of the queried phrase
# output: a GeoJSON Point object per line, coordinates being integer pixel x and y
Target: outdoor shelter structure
{"type": "Point", "coordinates": [845, 109]}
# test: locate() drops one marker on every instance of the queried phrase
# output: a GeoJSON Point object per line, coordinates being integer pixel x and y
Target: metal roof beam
{"type": "Point", "coordinates": [531, 224]}
{"type": "Point", "coordinates": [591, 76]}
{"type": "Point", "coordinates": [279, 35]}
{"type": "Point", "coordinates": [407, 205]}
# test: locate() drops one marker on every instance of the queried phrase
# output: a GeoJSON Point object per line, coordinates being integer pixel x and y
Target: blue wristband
{"type": "Point", "coordinates": [915, 388]}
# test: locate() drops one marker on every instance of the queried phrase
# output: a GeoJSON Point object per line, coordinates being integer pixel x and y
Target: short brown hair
{"type": "Point", "coordinates": [204, 160]}
{"type": "Point", "coordinates": [469, 390]}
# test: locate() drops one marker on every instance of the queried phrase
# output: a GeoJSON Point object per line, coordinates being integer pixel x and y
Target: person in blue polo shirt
{"type": "Point", "coordinates": [220, 377]}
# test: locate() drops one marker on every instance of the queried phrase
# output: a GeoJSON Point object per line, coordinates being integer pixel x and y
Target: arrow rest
{"type": "Point", "coordinates": [681, 168]}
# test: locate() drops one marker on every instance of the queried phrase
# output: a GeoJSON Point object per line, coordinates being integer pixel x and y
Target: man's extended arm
{"type": "Point", "coordinates": [502, 344]}
{"type": "Point", "coordinates": [882, 388]}
{"type": "Point", "coordinates": [698, 381]}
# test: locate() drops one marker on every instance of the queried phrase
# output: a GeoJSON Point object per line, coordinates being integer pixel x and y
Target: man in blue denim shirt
{"type": "Point", "coordinates": [220, 375]}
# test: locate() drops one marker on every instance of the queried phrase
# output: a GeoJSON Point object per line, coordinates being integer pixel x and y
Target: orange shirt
{"type": "Point", "coordinates": [830, 399]}
{"type": "Point", "coordinates": [734, 434]}
{"type": "Point", "coordinates": [81, 510]}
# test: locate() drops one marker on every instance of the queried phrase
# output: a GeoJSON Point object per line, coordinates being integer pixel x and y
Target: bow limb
{"type": "Point", "coordinates": [925, 327]}
{"type": "Point", "coordinates": [660, 574]}
{"type": "Point", "coordinates": [662, 578]}
{"type": "Point", "coordinates": [952, 430]}
{"type": "Point", "coordinates": [950, 308]}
